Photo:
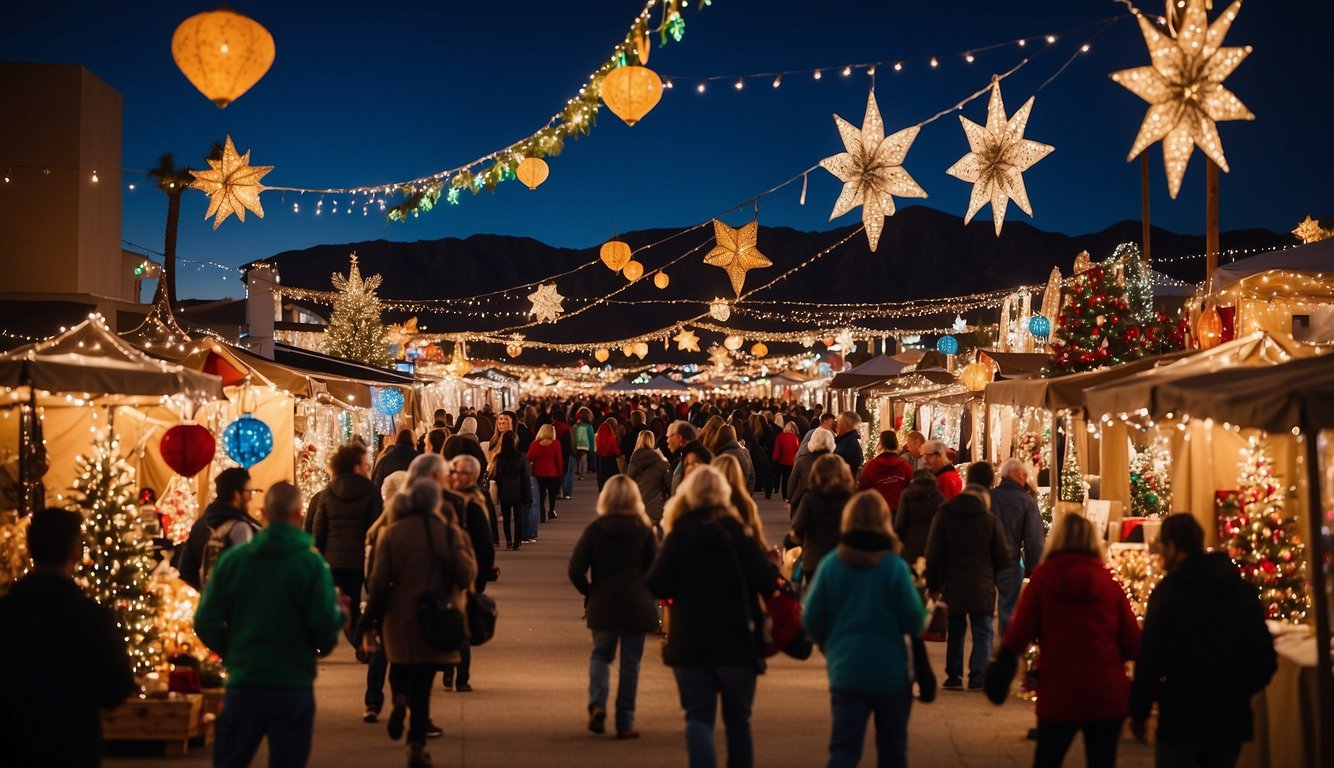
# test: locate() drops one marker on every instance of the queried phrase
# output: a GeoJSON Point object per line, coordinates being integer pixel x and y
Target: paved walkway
{"type": "Point", "coordinates": [531, 686]}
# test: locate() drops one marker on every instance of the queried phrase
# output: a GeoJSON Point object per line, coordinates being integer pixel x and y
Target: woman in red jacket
{"type": "Point", "coordinates": [548, 468]}
{"type": "Point", "coordinates": [1079, 617]}
{"type": "Point", "coordinates": [785, 454]}
{"type": "Point", "coordinates": [607, 446]}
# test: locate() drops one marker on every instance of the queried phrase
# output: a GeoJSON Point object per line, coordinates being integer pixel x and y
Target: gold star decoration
{"type": "Point", "coordinates": [735, 252]}
{"type": "Point", "coordinates": [1184, 88]}
{"type": "Point", "coordinates": [1309, 231]}
{"type": "Point", "coordinates": [998, 158]}
{"type": "Point", "coordinates": [871, 169]}
{"type": "Point", "coordinates": [719, 309]}
{"type": "Point", "coordinates": [546, 303]}
{"type": "Point", "coordinates": [687, 341]}
{"type": "Point", "coordinates": [719, 357]}
{"type": "Point", "coordinates": [232, 185]}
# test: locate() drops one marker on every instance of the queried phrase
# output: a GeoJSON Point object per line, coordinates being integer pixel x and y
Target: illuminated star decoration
{"type": "Point", "coordinates": [232, 185]}
{"type": "Point", "coordinates": [687, 341]}
{"type": "Point", "coordinates": [719, 309]}
{"type": "Point", "coordinates": [735, 252]}
{"type": "Point", "coordinates": [1184, 88]}
{"type": "Point", "coordinates": [719, 357]}
{"type": "Point", "coordinates": [1309, 231]}
{"type": "Point", "coordinates": [960, 325]}
{"type": "Point", "coordinates": [998, 158]}
{"type": "Point", "coordinates": [871, 170]}
{"type": "Point", "coordinates": [546, 303]}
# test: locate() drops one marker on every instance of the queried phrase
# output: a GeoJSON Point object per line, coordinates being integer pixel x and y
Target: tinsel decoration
{"type": "Point", "coordinates": [311, 473]}
{"type": "Point", "coordinates": [179, 509]}
{"type": "Point", "coordinates": [1072, 477]}
{"type": "Point", "coordinates": [1150, 480]}
{"type": "Point", "coordinates": [1138, 281]}
{"type": "Point", "coordinates": [355, 331]}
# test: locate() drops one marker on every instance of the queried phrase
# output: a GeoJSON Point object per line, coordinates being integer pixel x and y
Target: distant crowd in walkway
{"type": "Point", "coordinates": [395, 554]}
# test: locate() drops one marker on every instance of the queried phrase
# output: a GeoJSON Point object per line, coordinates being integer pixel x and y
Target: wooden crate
{"type": "Point", "coordinates": [173, 721]}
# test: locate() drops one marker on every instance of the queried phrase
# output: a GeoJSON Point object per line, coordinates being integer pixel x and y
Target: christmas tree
{"type": "Point", "coordinates": [1091, 326]}
{"type": "Point", "coordinates": [1072, 477]}
{"type": "Point", "coordinates": [1150, 481]}
{"type": "Point", "coordinates": [1136, 276]}
{"type": "Point", "coordinates": [355, 331]}
{"type": "Point", "coordinates": [118, 556]}
{"type": "Point", "coordinates": [1262, 538]}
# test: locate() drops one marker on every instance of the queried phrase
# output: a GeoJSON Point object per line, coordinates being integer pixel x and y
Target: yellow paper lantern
{"type": "Point", "coordinates": [976, 376]}
{"type": "Point", "coordinates": [615, 254]}
{"type": "Point", "coordinates": [733, 343]}
{"type": "Point", "coordinates": [601, 355]}
{"type": "Point", "coordinates": [661, 280]}
{"type": "Point", "coordinates": [641, 349]}
{"type": "Point", "coordinates": [532, 172]}
{"type": "Point", "coordinates": [630, 92]}
{"type": "Point", "coordinates": [222, 53]}
{"type": "Point", "coordinates": [759, 350]}
{"type": "Point", "coordinates": [632, 270]}
{"type": "Point", "coordinates": [1209, 329]}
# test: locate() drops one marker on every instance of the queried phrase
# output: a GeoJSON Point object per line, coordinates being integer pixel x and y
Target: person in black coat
{"type": "Point", "coordinates": [917, 508]}
{"type": "Point", "coordinates": [344, 512]}
{"type": "Point", "coordinates": [64, 656]}
{"type": "Point", "coordinates": [514, 490]}
{"type": "Point", "coordinates": [472, 507]}
{"type": "Point", "coordinates": [618, 547]}
{"type": "Point", "coordinates": [714, 570]}
{"type": "Point", "coordinates": [817, 525]}
{"type": "Point", "coordinates": [1204, 653]}
{"type": "Point", "coordinates": [398, 458]}
{"type": "Point", "coordinates": [964, 550]}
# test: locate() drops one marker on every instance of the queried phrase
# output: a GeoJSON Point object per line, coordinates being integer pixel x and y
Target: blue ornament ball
{"type": "Point", "coordinates": [389, 401]}
{"type": "Point", "coordinates": [948, 345]}
{"type": "Point", "coordinates": [247, 440]}
{"type": "Point", "coordinates": [1039, 326]}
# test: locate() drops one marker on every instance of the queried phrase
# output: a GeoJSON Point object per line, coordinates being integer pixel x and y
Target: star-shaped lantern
{"type": "Point", "coordinates": [960, 325]}
{"type": "Point", "coordinates": [232, 185]}
{"type": "Point", "coordinates": [871, 170]}
{"type": "Point", "coordinates": [1309, 231]}
{"type": "Point", "coordinates": [1184, 88]}
{"type": "Point", "coordinates": [735, 252]}
{"type": "Point", "coordinates": [999, 154]}
{"type": "Point", "coordinates": [546, 303]}
{"type": "Point", "coordinates": [687, 341]}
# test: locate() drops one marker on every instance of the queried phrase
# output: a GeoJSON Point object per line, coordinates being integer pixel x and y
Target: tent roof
{"type": "Point", "coordinates": [1275, 399]}
{"type": "Point", "coordinates": [1312, 258]}
{"type": "Point", "coordinates": [659, 383]}
{"type": "Point", "coordinates": [1064, 392]}
{"type": "Point", "coordinates": [850, 380]}
{"type": "Point", "coordinates": [90, 358]}
{"type": "Point", "coordinates": [1018, 365]}
{"type": "Point", "coordinates": [912, 383]}
{"type": "Point", "coordinates": [882, 365]}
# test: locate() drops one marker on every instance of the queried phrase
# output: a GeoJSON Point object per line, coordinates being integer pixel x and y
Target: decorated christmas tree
{"type": "Point", "coordinates": [1150, 481]}
{"type": "Point", "coordinates": [1262, 538]}
{"type": "Point", "coordinates": [355, 331]}
{"type": "Point", "coordinates": [118, 555]}
{"type": "Point", "coordinates": [1091, 328]}
{"type": "Point", "coordinates": [1072, 477]}
{"type": "Point", "coordinates": [1136, 276]}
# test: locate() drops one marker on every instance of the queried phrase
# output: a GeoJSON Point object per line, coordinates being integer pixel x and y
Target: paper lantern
{"type": "Point", "coordinates": [640, 349]}
{"type": "Point", "coordinates": [759, 350]}
{"type": "Point", "coordinates": [632, 270]}
{"type": "Point", "coordinates": [948, 345]}
{"type": "Point", "coordinates": [601, 355]}
{"type": "Point", "coordinates": [661, 280]}
{"type": "Point", "coordinates": [187, 449]}
{"type": "Point", "coordinates": [976, 376]}
{"type": "Point", "coordinates": [222, 53]}
{"type": "Point", "coordinates": [1209, 328]}
{"type": "Point", "coordinates": [1039, 326]}
{"type": "Point", "coordinates": [389, 401]}
{"type": "Point", "coordinates": [733, 343]}
{"type": "Point", "coordinates": [631, 91]}
{"type": "Point", "coordinates": [719, 310]}
{"type": "Point", "coordinates": [247, 440]}
{"type": "Point", "coordinates": [614, 254]}
{"type": "Point", "coordinates": [532, 172]}
{"type": "Point", "coordinates": [513, 350]}
{"type": "Point", "coordinates": [628, 350]}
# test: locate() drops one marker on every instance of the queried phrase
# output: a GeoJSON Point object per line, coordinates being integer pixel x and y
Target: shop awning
{"type": "Point", "coordinates": [1062, 392]}
{"type": "Point", "coordinates": [1276, 399]}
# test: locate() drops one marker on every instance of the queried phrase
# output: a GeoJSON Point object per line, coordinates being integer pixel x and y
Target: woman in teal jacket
{"type": "Point", "coordinates": [859, 608]}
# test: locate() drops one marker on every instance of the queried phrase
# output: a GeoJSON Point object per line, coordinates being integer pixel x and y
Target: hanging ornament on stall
{"type": "Point", "coordinates": [997, 158]}
{"type": "Point", "coordinates": [720, 310]}
{"type": "Point", "coordinates": [515, 347]}
{"type": "Point", "coordinates": [631, 91]}
{"type": "Point", "coordinates": [614, 254]}
{"type": "Point", "coordinates": [719, 357]}
{"type": "Point", "coordinates": [532, 171]}
{"type": "Point", "coordinates": [687, 341]}
{"type": "Point", "coordinates": [222, 53]}
{"type": "Point", "coordinates": [1039, 326]}
{"type": "Point", "coordinates": [947, 345]}
{"type": "Point", "coordinates": [759, 350]}
{"type": "Point", "coordinates": [601, 355]}
{"type": "Point", "coordinates": [960, 325]}
{"type": "Point", "coordinates": [661, 280]}
{"type": "Point", "coordinates": [232, 185]}
{"type": "Point", "coordinates": [871, 169]}
{"type": "Point", "coordinates": [1209, 328]}
{"type": "Point", "coordinates": [247, 440]}
{"type": "Point", "coordinates": [1184, 88]}
{"type": "Point", "coordinates": [388, 401]}
{"type": "Point", "coordinates": [546, 301]}
{"type": "Point", "coordinates": [641, 349]}
{"type": "Point", "coordinates": [632, 270]}
{"type": "Point", "coordinates": [976, 376]}
{"type": "Point", "coordinates": [187, 449]}
{"type": "Point", "coordinates": [735, 252]}
{"type": "Point", "coordinates": [733, 343]}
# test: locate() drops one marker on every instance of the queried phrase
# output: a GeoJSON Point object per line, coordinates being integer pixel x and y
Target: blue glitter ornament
{"type": "Point", "coordinates": [389, 401]}
{"type": "Point", "coordinates": [1039, 326]}
{"type": "Point", "coordinates": [247, 440]}
{"type": "Point", "coordinates": [948, 345]}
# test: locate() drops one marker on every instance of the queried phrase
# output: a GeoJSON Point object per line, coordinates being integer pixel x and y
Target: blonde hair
{"type": "Point", "coordinates": [704, 488]}
{"type": "Point", "coordinates": [393, 483]}
{"type": "Point", "coordinates": [646, 439]}
{"type": "Point", "coordinates": [620, 496]}
{"type": "Point", "coordinates": [708, 436]}
{"type": "Point", "coordinates": [867, 511]}
{"type": "Point", "coordinates": [547, 432]}
{"type": "Point", "coordinates": [1073, 533]}
{"type": "Point", "coordinates": [740, 498]}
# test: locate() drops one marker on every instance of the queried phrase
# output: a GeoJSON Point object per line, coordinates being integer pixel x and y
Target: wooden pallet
{"type": "Point", "coordinates": [173, 721]}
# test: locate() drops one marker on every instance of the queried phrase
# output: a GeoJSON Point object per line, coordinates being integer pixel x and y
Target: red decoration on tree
{"type": "Point", "coordinates": [187, 449]}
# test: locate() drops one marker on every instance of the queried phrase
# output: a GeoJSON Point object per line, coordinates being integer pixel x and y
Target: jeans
{"type": "Point", "coordinates": [411, 684]}
{"type": "Point", "coordinates": [581, 462]}
{"type": "Point", "coordinates": [781, 475]}
{"type": "Point", "coordinates": [977, 660]}
{"type": "Point", "coordinates": [548, 490]}
{"type": "Point", "coordinates": [699, 688]}
{"type": "Point", "coordinates": [376, 669]}
{"type": "Point", "coordinates": [1008, 582]}
{"type": "Point", "coordinates": [1219, 755]}
{"type": "Point", "coordinates": [249, 713]}
{"type": "Point", "coordinates": [349, 580]}
{"type": "Point", "coordinates": [599, 674]}
{"type": "Point", "coordinates": [534, 507]}
{"type": "Point", "coordinates": [1100, 738]}
{"type": "Point", "coordinates": [461, 673]}
{"type": "Point", "coordinates": [513, 513]}
{"type": "Point", "coordinates": [851, 711]}
{"type": "Point", "coordinates": [568, 485]}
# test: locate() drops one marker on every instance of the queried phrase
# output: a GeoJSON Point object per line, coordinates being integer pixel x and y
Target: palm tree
{"type": "Point", "coordinates": [173, 182]}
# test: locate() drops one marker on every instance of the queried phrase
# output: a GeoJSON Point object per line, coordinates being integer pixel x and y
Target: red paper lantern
{"type": "Point", "coordinates": [187, 449]}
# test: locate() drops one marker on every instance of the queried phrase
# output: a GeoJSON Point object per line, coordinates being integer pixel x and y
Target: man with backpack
{"type": "Point", "coordinates": [224, 524]}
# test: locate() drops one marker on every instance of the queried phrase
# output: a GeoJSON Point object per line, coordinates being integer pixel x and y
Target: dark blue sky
{"type": "Point", "coordinates": [362, 93]}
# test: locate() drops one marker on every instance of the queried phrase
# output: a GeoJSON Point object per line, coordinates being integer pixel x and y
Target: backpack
{"type": "Point", "coordinates": [219, 540]}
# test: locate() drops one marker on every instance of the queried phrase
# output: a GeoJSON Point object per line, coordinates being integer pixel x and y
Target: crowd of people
{"type": "Point", "coordinates": [392, 553]}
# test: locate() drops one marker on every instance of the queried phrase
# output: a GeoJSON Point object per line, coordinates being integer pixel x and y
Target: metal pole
{"type": "Point", "coordinates": [1210, 219]}
{"type": "Point", "coordinates": [1144, 203]}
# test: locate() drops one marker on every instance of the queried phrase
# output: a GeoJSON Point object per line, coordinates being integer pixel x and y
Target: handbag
{"type": "Point", "coordinates": [784, 610]}
{"type": "Point", "coordinates": [442, 623]}
{"type": "Point", "coordinates": [482, 613]}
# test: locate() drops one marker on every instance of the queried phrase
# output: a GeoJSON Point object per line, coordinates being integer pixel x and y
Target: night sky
{"type": "Point", "coordinates": [364, 93]}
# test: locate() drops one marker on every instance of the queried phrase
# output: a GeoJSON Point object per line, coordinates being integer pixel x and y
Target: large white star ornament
{"type": "Point", "coordinates": [232, 185]}
{"type": "Point", "coordinates": [546, 303]}
{"type": "Point", "coordinates": [871, 170]}
{"type": "Point", "coordinates": [687, 341]}
{"type": "Point", "coordinates": [999, 154]}
{"type": "Point", "coordinates": [1184, 88]}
